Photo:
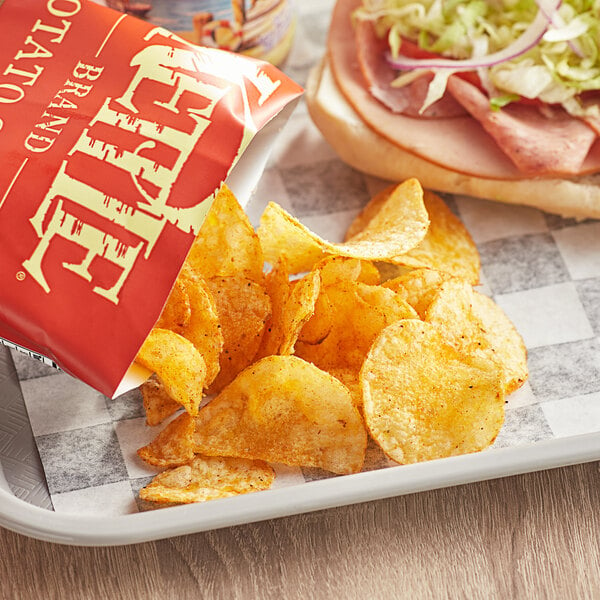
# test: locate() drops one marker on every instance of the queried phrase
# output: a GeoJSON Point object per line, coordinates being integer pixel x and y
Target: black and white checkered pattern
{"type": "Point", "coordinates": [544, 272]}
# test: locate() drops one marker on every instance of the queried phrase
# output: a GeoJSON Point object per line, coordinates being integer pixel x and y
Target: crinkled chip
{"type": "Point", "coordinates": [176, 312]}
{"type": "Point", "coordinates": [506, 342]}
{"type": "Point", "coordinates": [447, 247]}
{"type": "Point", "coordinates": [277, 286]}
{"type": "Point", "coordinates": [424, 399]}
{"type": "Point", "coordinates": [358, 313]}
{"type": "Point", "coordinates": [475, 323]}
{"type": "Point", "coordinates": [158, 405]}
{"type": "Point", "coordinates": [298, 310]}
{"type": "Point", "coordinates": [343, 268]}
{"type": "Point", "coordinates": [203, 328]}
{"type": "Point", "coordinates": [173, 446]}
{"type": "Point", "coordinates": [227, 244]}
{"type": "Point", "coordinates": [418, 287]}
{"type": "Point", "coordinates": [208, 478]}
{"type": "Point", "coordinates": [317, 328]}
{"type": "Point", "coordinates": [244, 308]}
{"type": "Point", "coordinates": [293, 304]}
{"type": "Point", "coordinates": [177, 364]}
{"type": "Point", "coordinates": [369, 211]}
{"type": "Point", "coordinates": [398, 226]}
{"type": "Point", "coordinates": [284, 410]}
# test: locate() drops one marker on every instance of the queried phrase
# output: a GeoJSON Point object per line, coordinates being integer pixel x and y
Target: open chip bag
{"type": "Point", "coordinates": [115, 136]}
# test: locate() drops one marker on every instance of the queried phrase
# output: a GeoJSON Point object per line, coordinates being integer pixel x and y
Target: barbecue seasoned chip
{"type": "Point", "coordinates": [176, 312]}
{"type": "Point", "coordinates": [208, 478]}
{"type": "Point", "coordinates": [227, 244]}
{"type": "Point", "coordinates": [358, 313]}
{"type": "Point", "coordinates": [447, 246]}
{"type": "Point", "coordinates": [295, 305]}
{"type": "Point", "coordinates": [424, 399]}
{"type": "Point", "coordinates": [203, 328]}
{"type": "Point", "coordinates": [177, 364]}
{"type": "Point", "coordinates": [398, 226]}
{"type": "Point", "coordinates": [284, 410]}
{"type": "Point", "coordinates": [475, 323]}
{"type": "Point", "coordinates": [418, 287]}
{"type": "Point", "coordinates": [243, 309]}
{"type": "Point", "coordinates": [158, 405]}
{"type": "Point", "coordinates": [173, 446]}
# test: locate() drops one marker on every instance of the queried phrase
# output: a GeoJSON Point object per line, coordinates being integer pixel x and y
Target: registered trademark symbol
{"type": "Point", "coordinates": [21, 275]}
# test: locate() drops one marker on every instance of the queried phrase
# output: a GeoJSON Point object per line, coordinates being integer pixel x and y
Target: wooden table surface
{"type": "Point", "coordinates": [528, 536]}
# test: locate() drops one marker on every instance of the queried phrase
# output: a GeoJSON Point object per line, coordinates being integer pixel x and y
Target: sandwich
{"type": "Point", "coordinates": [497, 100]}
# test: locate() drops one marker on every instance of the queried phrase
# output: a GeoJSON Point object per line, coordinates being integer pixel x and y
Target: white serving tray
{"type": "Point", "coordinates": [24, 518]}
{"type": "Point", "coordinates": [543, 271]}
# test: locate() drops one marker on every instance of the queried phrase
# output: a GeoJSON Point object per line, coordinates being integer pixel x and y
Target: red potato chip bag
{"type": "Point", "coordinates": [114, 136]}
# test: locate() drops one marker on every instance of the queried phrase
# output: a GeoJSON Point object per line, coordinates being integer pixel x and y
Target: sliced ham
{"type": "Point", "coordinates": [538, 143]}
{"type": "Point", "coordinates": [379, 76]}
{"type": "Point", "coordinates": [594, 123]}
{"type": "Point", "coordinates": [589, 100]}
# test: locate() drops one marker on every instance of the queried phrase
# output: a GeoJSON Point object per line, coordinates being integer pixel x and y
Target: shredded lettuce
{"type": "Point", "coordinates": [497, 102]}
{"type": "Point", "coordinates": [563, 65]}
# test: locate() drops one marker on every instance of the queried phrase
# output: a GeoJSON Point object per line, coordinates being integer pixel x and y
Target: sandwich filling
{"type": "Point", "coordinates": [525, 74]}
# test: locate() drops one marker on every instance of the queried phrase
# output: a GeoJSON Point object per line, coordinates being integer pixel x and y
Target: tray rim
{"type": "Point", "coordinates": [77, 530]}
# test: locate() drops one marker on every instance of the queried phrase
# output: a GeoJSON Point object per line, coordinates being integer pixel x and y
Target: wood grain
{"type": "Point", "coordinates": [528, 536]}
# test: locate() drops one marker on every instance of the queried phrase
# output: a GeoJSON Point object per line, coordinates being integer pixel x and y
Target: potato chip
{"type": "Point", "coordinates": [451, 310]}
{"type": "Point", "coordinates": [333, 269]}
{"type": "Point", "coordinates": [425, 399]}
{"type": "Point", "coordinates": [173, 446]}
{"type": "Point", "coordinates": [283, 236]}
{"type": "Point", "coordinates": [398, 226]}
{"type": "Point", "coordinates": [176, 312]}
{"type": "Point", "coordinates": [447, 246]}
{"type": "Point", "coordinates": [297, 362]}
{"type": "Point", "coordinates": [158, 405]}
{"type": "Point", "coordinates": [349, 377]}
{"type": "Point", "coordinates": [365, 216]}
{"type": "Point", "coordinates": [243, 308]}
{"type": "Point", "coordinates": [283, 409]}
{"type": "Point", "coordinates": [177, 364]}
{"type": "Point", "coordinates": [298, 310]}
{"type": "Point", "coordinates": [473, 322]}
{"type": "Point", "coordinates": [294, 305]}
{"type": "Point", "coordinates": [506, 342]}
{"type": "Point", "coordinates": [317, 328]}
{"type": "Point", "coordinates": [359, 313]}
{"type": "Point", "coordinates": [343, 268]}
{"type": "Point", "coordinates": [369, 273]}
{"type": "Point", "coordinates": [277, 286]}
{"type": "Point", "coordinates": [418, 287]}
{"type": "Point", "coordinates": [392, 304]}
{"type": "Point", "coordinates": [203, 328]}
{"type": "Point", "coordinates": [227, 244]}
{"type": "Point", "coordinates": [208, 478]}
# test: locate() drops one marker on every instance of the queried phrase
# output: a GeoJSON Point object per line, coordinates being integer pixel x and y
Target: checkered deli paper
{"type": "Point", "coordinates": [543, 271]}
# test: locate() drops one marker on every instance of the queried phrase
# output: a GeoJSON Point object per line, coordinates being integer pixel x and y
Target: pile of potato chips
{"type": "Point", "coordinates": [381, 336]}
